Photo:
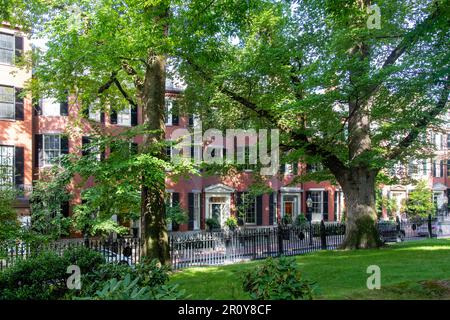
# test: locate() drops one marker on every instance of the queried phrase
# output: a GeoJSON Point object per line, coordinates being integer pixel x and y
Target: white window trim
{"type": "Point", "coordinates": [321, 191]}
{"type": "Point", "coordinates": [121, 113]}
{"type": "Point", "coordinates": [13, 103]}
{"type": "Point", "coordinates": [13, 163]}
{"type": "Point", "coordinates": [54, 101]}
{"type": "Point", "coordinates": [197, 210]}
{"type": "Point", "coordinates": [96, 116]}
{"type": "Point", "coordinates": [13, 49]}
{"type": "Point", "coordinates": [168, 103]}
{"type": "Point", "coordinates": [297, 209]}
{"type": "Point", "coordinates": [255, 213]}
{"type": "Point", "coordinates": [45, 164]}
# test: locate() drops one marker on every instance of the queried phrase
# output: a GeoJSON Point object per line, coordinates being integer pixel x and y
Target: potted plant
{"type": "Point", "coordinates": [231, 223]}
{"type": "Point", "coordinates": [212, 223]}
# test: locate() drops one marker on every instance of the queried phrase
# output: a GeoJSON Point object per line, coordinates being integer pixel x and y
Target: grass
{"type": "Point", "coordinates": [411, 270]}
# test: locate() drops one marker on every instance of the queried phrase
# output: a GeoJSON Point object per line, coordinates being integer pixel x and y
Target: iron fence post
{"type": "Point", "coordinates": [280, 240]}
{"type": "Point", "coordinates": [323, 236]}
{"type": "Point", "coordinates": [310, 233]}
{"type": "Point", "coordinates": [430, 230]}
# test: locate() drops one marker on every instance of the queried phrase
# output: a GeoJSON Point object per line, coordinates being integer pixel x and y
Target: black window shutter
{"type": "Point", "coordinates": [325, 205]}
{"type": "Point", "coordinates": [175, 202]}
{"type": "Point", "coordinates": [295, 168]}
{"type": "Point", "coordinates": [64, 107]}
{"type": "Point", "coordinates": [175, 198]}
{"type": "Point", "coordinates": [19, 166]}
{"type": "Point", "coordinates": [191, 120]}
{"type": "Point", "coordinates": [65, 209]}
{"type": "Point", "coordinates": [175, 118]}
{"type": "Point", "coordinates": [38, 150]}
{"type": "Point", "coordinates": [434, 168]}
{"type": "Point", "coordinates": [169, 152]}
{"type": "Point", "coordinates": [102, 117]}
{"type": "Point", "coordinates": [64, 145]}
{"type": "Point", "coordinates": [259, 210]}
{"type": "Point", "coordinates": [335, 205]}
{"type": "Point", "coordinates": [19, 105]}
{"type": "Point", "coordinates": [308, 168]}
{"type": "Point", "coordinates": [113, 117]}
{"type": "Point", "coordinates": [441, 164]}
{"type": "Point", "coordinates": [84, 142]}
{"type": "Point", "coordinates": [282, 168]}
{"type": "Point", "coordinates": [191, 210]}
{"type": "Point", "coordinates": [19, 46]}
{"type": "Point", "coordinates": [448, 141]}
{"type": "Point", "coordinates": [192, 152]}
{"type": "Point", "coordinates": [271, 208]}
{"type": "Point", "coordinates": [134, 116]}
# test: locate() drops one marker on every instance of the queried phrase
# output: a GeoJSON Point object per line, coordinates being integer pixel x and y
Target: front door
{"type": "Point", "coordinates": [218, 208]}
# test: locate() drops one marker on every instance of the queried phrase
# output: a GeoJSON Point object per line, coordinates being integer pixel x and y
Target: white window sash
{"type": "Point", "coordinates": [124, 117]}
{"type": "Point", "coordinates": [7, 103]}
{"type": "Point", "coordinates": [47, 161]}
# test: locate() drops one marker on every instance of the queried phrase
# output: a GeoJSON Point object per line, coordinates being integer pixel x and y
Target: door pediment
{"type": "Point", "coordinates": [219, 188]}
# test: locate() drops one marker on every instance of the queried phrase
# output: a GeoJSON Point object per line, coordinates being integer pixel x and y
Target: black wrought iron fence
{"type": "Point", "coordinates": [224, 247]}
{"type": "Point", "coordinates": [126, 251]}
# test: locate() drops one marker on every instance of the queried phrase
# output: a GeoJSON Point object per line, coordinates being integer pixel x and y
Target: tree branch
{"type": "Point", "coordinates": [108, 83]}
{"type": "Point", "coordinates": [422, 123]}
{"type": "Point", "coordinates": [124, 93]}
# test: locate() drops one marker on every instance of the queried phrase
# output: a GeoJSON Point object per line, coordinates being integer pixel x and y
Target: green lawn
{"type": "Point", "coordinates": [408, 271]}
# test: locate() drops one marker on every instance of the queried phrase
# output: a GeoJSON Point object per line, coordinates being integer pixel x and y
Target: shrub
{"type": "Point", "coordinates": [85, 258]}
{"type": "Point", "coordinates": [231, 223]}
{"type": "Point", "coordinates": [301, 221]}
{"type": "Point", "coordinates": [277, 279]}
{"type": "Point", "coordinates": [286, 219]}
{"type": "Point", "coordinates": [152, 273]}
{"type": "Point", "coordinates": [42, 277]}
{"type": "Point", "coordinates": [212, 223]}
{"type": "Point", "coordinates": [130, 288]}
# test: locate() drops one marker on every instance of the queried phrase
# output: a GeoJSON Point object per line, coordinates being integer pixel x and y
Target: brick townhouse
{"type": "Point", "coordinates": [31, 137]}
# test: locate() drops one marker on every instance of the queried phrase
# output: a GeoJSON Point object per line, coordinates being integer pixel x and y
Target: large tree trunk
{"type": "Point", "coordinates": [153, 215]}
{"type": "Point", "coordinates": [358, 185]}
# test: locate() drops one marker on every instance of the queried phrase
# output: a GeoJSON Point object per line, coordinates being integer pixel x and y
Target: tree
{"type": "Point", "coordinates": [113, 52]}
{"type": "Point", "coordinates": [352, 97]}
{"type": "Point", "coordinates": [9, 225]}
{"type": "Point", "coordinates": [419, 203]}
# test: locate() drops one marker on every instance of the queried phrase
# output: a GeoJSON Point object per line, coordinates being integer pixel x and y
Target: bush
{"type": "Point", "coordinates": [130, 288]}
{"type": "Point", "coordinates": [231, 223]}
{"type": "Point", "coordinates": [286, 219]}
{"type": "Point", "coordinates": [85, 258]}
{"type": "Point", "coordinates": [212, 223]}
{"type": "Point", "coordinates": [42, 277]}
{"type": "Point", "coordinates": [301, 221]}
{"type": "Point", "coordinates": [277, 279]}
{"type": "Point", "coordinates": [147, 280]}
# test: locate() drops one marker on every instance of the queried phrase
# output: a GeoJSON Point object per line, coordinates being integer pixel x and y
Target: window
{"type": "Point", "coordinates": [311, 168]}
{"type": "Point", "coordinates": [437, 168]}
{"type": "Point", "coordinates": [7, 100]}
{"type": "Point", "coordinates": [94, 114]}
{"type": "Point", "coordinates": [197, 211]}
{"type": "Point", "coordinates": [6, 166]}
{"type": "Point", "coordinates": [168, 112]}
{"type": "Point", "coordinates": [290, 205]}
{"type": "Point", "coordinates": [52, 148]}
{"type": "Point", "coordinates": [249, 204]}
{"type": "Point", "coordinates": [6, 49]}
{"type": "Point", "coordinates": [171, 112]}
{"type": "Point", "coordinates": [413, 168]}
{"type": "Point", "coordinates": [50, 107]}
{"type": "Point", "coordinates": [124, 117]}
{"type": "Point", "coordinates": [317, 201]}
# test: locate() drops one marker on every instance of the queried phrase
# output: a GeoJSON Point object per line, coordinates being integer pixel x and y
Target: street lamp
{"type": "Point", "coordinates": [309, 203]}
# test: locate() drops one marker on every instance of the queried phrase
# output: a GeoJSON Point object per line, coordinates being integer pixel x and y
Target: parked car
{"type": "Point", "coordinates": [390, 231]}
{"type": "Point", "coordinates": [422, 230]}
{"type": "Point", "coordinates": [112, 257]}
